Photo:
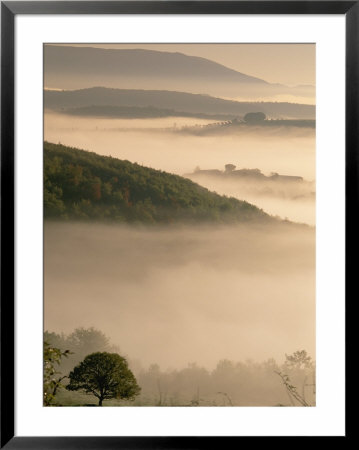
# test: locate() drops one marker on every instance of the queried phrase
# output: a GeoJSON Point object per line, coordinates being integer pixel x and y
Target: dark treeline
{"type": "Point", "coordinates": [177, 101]}
{"type": "Point", "coordinates": [82, 185]}
{"type": "Point", "coordinates": [230, 383]}
{"type": "Point", "coordinates": [138, 112]}
{"type": "Point", "coordinates": [228, 121]}
{"type": "Point", "coordinates": [237, 126]}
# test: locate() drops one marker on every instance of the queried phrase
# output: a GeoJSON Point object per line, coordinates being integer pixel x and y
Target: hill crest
{"type": "Point", "coordinates": [83, 185]}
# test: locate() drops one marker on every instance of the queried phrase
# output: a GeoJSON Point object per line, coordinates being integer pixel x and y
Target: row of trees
{"type": "Point", "coordinates": [91, 365]}
{"type": "Point", "coordinates": [230, 383]}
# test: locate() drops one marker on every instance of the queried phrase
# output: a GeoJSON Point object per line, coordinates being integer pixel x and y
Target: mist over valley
{"type": "Point", "coordinates": [188, 294]}
{"type": "Point", "coordinates": [179, 226]}
{"type": "Point", "coordinates": [160, 144]}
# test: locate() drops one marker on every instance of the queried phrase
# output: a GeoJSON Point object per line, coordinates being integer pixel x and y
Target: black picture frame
{"type": "Point", "coordinates": [9, 9]}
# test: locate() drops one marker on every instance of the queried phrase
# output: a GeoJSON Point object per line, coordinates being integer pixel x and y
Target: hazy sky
{"type": "Point", "coordinates": [290, 64]}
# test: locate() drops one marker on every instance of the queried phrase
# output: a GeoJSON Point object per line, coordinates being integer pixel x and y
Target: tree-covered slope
{"type": "Point", "coordinates": [83, 185]}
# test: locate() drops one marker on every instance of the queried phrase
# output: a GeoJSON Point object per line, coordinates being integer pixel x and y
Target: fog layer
{"type": "Point", "coordinates": [173, 296]}
{"type": "Point", "coordinates": [286, 199]}
{"type": "Point", "coordinates": [158, 143]}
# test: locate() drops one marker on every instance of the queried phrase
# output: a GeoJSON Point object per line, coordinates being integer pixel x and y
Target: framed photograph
{"type": "Point", "coordinates": [179, 183]}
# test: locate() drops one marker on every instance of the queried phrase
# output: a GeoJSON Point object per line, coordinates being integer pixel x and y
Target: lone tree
{"type": "Point", "coordinates": [104, 375]}
{"type": "Point", "coordinates": [299, 360]}
{"type": "Point", "coordinates": [229, 167]}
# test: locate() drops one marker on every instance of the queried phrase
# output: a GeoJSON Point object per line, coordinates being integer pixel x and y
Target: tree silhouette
{"type": "Point", "coordinates": [299, 360]}
{"type": "Point", "coordinates": [254, 117]}
{"type": "Point", "coordinates": [229, 167]}
{"type": "Point", "coordinates": [104, 375]}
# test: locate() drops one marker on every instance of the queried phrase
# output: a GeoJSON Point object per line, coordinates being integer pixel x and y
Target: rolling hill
{"type": "Point", "coordinates": [176, 101]}
{"type": "Point", "coordinates": [82, 185]}
{"type": "Point", "coordinates": [69, 67]}
{"type": "Point", "coordinates": [137, 62]}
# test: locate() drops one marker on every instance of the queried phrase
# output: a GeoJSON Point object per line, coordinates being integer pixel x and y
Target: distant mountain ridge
{"type": "Point", "coordinates": [177, 101]}
{"type": "Point", "coordinates": [68, 67]}
{"type": "Point", "coordinates": [130, 62]}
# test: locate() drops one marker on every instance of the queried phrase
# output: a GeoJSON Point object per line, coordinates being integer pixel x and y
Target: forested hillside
{"type": "Point", "coordinates": [83, 185]}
